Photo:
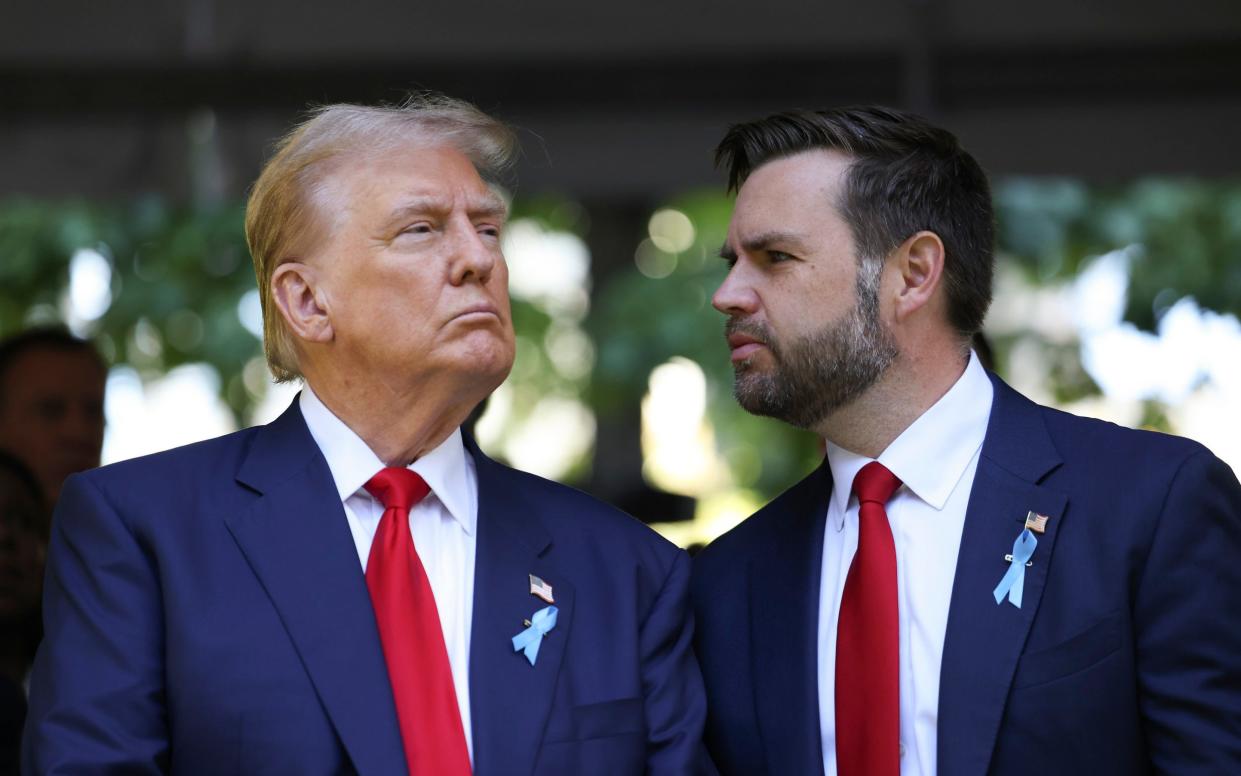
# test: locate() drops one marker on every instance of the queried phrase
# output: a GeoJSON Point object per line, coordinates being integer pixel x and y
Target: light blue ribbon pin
{"type": "Point", "coordinates": [529, 640]}
{"type": "Point", "coordinates": [1014, 582]}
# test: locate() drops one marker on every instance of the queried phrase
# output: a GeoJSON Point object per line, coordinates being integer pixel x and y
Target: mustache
{"type": "Point", "coordinates": [755, 329]}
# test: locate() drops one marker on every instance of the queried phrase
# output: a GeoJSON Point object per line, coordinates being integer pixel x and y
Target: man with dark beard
{"type": "Point", "coordinates": [970, 583]}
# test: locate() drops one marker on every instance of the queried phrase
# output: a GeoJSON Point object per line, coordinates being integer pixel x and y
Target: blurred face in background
{"type": "Point", "coordinates": [51, 413]}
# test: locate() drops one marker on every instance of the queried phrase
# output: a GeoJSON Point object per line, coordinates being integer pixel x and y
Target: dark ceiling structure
{"type": "Point", "coordinates": [622, 101]}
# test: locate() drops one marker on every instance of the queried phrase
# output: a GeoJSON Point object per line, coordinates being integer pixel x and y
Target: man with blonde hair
{"type": "Point", "coordinates": [356, 587]}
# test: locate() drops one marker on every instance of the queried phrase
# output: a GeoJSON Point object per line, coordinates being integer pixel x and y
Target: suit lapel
{"type": "Point", "coordinates": [297, 541]}
{"type": "Point", "coordinates": [984, 640]}
{"type": "Point", "coordinates": [784, 606]}
{"type": "Point", "coordinates": [510, 699]}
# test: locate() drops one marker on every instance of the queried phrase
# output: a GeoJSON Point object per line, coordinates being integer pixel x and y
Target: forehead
{"type": "Point", "coordinates": [409, 169]}
{"type": "Point", "coordinates": [798, 190]}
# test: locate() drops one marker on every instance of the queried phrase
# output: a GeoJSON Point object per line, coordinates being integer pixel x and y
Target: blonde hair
{"type": "Point", "coordinates": [282, 216]}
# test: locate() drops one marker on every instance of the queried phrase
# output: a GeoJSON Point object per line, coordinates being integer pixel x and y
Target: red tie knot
{"type": "Point", "coordinates": [875, 483]}
{"type": "Point", "coordinates": [397, 488]}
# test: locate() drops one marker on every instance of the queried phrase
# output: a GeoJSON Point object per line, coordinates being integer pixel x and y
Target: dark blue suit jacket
{"type": "Point", "coordinates": [206, 614]}
{"type": "Point", "coordinates": [1125, 657]}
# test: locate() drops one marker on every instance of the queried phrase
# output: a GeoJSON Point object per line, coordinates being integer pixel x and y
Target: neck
{"type": "Point", "coordinates": [916, 380]}
{"type": "Point", "coordinates": [400, 422]}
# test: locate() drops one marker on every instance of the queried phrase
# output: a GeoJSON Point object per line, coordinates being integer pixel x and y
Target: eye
{"type": "Point", "coordinates": [421, 227]}
{"type": "Point", "coordinates": [775, 257]}
{"type": "Point", "coordinates": [489, 230]}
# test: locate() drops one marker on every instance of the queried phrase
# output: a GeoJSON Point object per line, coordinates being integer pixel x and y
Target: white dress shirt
{"type": "Point", "coordinates": [443, 525]}
{"type": "Point", "coordinates": [935, 458]}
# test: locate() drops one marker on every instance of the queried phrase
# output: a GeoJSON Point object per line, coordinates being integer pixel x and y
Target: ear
{"type": "Point", "coordinates": [295, 292]}
{"type": "Point", "coordinates": [919, 266]}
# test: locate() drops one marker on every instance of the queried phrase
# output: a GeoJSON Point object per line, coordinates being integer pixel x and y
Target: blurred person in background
{"type": "Point", "coordinates": [970, 583]}
{"type": "Point", "coordinates": [23, 542]}
{"type": "Point", "coordinates": [51, 404]}
{"type": "Point", "coordinates": [255, 603]}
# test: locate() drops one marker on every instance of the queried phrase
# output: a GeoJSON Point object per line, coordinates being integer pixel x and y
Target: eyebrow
{"type": "Point", "coordinates": [488, 206]}
{"type": "Point", "coordinates": [492, 205]}
{"type": "Point", "coordinates": [764, 241]}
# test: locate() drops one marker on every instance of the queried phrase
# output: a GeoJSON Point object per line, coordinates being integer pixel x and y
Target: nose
{"type": "Point", "coordinates": [475, 256]}
{"type": "Point", "coordinates": [736, 295]}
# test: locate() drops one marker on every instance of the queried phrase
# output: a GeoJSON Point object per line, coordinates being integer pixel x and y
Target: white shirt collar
{"type": "Point", "coordinates": [353, 463]}
{"type": "Point", "coordinates": [932, 454]}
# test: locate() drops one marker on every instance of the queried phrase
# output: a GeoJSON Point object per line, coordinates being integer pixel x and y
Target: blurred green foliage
{"type": "Point", "coordinates": [177, 277]}
{"type": "Point", "coordinates": [1189, 232]}
{"type": "Point", "coordinates": [180, 272]}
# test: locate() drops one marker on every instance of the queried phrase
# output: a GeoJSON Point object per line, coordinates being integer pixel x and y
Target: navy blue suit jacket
{"type": "Point", "coordinates": [1125, 657]}
{"type": "Point", "coordinates": [206, 614]}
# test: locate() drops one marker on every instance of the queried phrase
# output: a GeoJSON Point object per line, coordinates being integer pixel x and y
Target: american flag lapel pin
{"type": "Point", "coordinates": [541, 589]}
{"type": "Point", "coordinates": [1036, 522]}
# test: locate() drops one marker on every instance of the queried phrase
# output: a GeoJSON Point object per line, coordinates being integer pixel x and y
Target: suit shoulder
{"type": "Point", "coordinates": [187, 473]}
{"type": "Point", "coordinates": [1080, 438]}
{"type": "Point", "coordinates": [208, 453]}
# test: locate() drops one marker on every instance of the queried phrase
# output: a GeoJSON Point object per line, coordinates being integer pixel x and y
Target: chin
{"type": "Point", "coordinates": [480, 361]}
{"type": "Point", "coordinates": [489, 366]}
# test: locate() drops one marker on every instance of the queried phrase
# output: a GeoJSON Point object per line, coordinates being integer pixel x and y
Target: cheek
{"type": "Point", "coordinates": [391, 298]}
{"type": "Point", "coordinates": [499, 277]}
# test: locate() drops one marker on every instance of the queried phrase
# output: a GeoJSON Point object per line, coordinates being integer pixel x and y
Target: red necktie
{"type": "Point", "coordinates": [868, 713]}
{"type": "Point", "coordinates": [413, 641]}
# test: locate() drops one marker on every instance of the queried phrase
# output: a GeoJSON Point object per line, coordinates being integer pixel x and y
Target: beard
{"type": "Point", "coordinates": [818, 373]}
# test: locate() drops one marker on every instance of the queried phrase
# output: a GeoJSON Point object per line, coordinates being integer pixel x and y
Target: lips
{"type": "Point", "coordinates": [744, 346]}
{"type": "Point", "coordinates": [479, 310]}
